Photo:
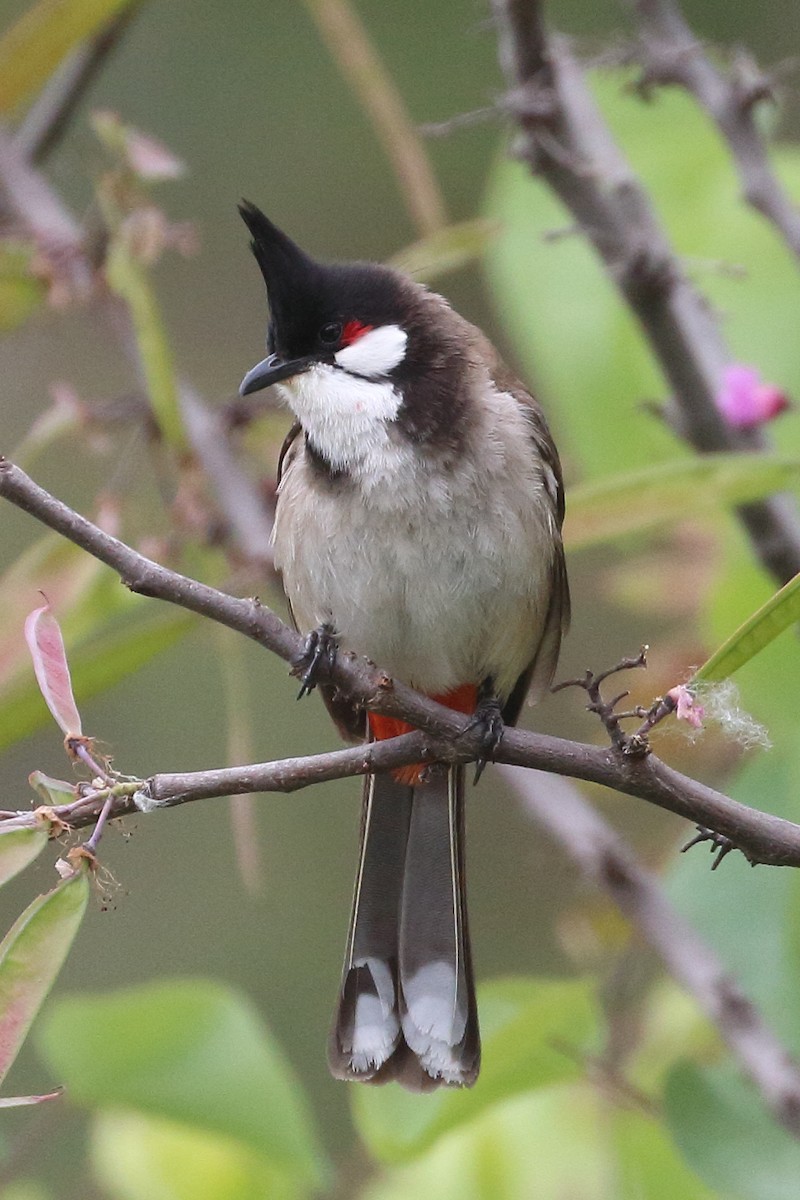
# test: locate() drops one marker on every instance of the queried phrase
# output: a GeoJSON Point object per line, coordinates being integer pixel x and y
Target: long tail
{"type": "Point", "coordinates": [407, 1007]}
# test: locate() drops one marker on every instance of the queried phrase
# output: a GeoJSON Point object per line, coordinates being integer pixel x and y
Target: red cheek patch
{"type": "Point", "coordinates": [353, 330]}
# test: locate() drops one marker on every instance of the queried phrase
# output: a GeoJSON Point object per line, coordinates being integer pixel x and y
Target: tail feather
{"type": "Point", "coordinates": [407, 1007]}
{"type": "Point", "coordinates": [439, 1013]}
{"type": "Point", "coordinates": [366, 1028]}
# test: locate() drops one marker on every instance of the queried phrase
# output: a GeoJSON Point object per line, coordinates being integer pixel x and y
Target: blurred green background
{"type": "Point", "coordinates": [248, 96]}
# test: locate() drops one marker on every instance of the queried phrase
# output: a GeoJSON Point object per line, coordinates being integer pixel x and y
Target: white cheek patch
{"type": "Point", "coordinates": [374, 353]}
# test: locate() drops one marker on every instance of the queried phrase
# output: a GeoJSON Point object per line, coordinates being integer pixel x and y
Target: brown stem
{"type": "Point", "coordinates": [565, 140]}
{"type": "Point", "coordinates": [763, 837]}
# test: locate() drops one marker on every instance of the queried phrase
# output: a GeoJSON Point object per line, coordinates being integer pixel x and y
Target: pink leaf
{"type": "Point", "coordinates": [43, 635]}
{"type": "Point", "coordinates": [20, 1101]}
{"type": "Point", "coordinates": [150, 158]}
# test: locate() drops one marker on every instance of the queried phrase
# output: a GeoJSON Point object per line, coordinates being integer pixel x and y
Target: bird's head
{"type": "Point", "coordinates": [363, 354]}
{"type": "Point", "coordinates": [348, 316]}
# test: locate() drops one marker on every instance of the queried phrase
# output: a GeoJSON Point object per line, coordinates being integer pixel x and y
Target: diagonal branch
{"type": "Point", "coordinates": [761, 836]}
{"type": "Point", "coordinates": [604, 857]}
{"type": "Point", "coordinates": [48, 119]}
{"type": "Point", "coordinates": [670, 53]}
{"type": "Point", "coordinates": [565, 140]}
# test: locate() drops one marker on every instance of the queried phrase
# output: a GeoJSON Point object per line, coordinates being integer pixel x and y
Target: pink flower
{"type": "Point", "coordinates": [685, 707]}
{"type": "Point", "coordinates": [745, 401]}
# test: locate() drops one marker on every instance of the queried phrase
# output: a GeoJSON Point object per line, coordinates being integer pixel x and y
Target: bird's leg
{"type": "Point", "coordinates": [320, 647]}
{"type": "Point", "coordinates": [488, 717]}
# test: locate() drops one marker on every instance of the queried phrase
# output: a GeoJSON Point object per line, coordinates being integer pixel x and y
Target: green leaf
{"type": "Point", "coordinates": [190, 1051]}
{"type": "Point", "coordinates": [648, 1164]}
{"type": "Point", "coordinates": [141, 1158]}
{"type": "Point", "coordinates": [671, 491]}
{"type": "Point", "coordinates": [446, 250]}
{"type": "Point", "coordinates": [779, 612]}
{"type": "Point", "coordinates": [725, 1133]}
{"type": "Point", "coordinates": [549, 1144]}
{"type": "Point", "coordinates": [534, 1034]}
{"type": "Point", "coordinates": [32, 48]}
{"type": "Point", "coordinates": [129, 279]}
{"type": "Point", "coordinates": [559, 1143]}
{"type": "Point", "coordinates": [31, 955]}
{"type": "Point", "coordinates": [52, 791]}
{"type": "Point", "coordinates": [18, 848]}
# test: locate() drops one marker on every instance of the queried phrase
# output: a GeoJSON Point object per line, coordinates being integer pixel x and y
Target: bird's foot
{"type": "Point", "coordinates": [321, 647]}
{"type": "Point", "coordinates": [488, 717]}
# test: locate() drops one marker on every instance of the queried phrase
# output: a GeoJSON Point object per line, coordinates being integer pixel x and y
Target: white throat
{"type": "Point", "coordinates": [345, 417]}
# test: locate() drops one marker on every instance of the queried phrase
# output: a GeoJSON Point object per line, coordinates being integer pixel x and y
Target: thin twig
{"type": "Point", "coordinates": [90, 846]}
{"type": "Point", "coordinates": [49, 117]}
{"type": "Point", "coordinates": [565, 140]}
{"type": "Point", "coordinates": [603, 856]}
{"type": "Point", "coordinates": [360, 63]}
{"type": "Point", "coordinates": [591, 682]}
{"type": "Point", "coordinates": [670, 53]}
{"type": "Point", "coordinates": [762, 836]}
{"type": "Point", "coordinates": [33, 204]}
{"type": "Point", "coordinates": [244, 510]}
{"type": "Point", "coordinates": [232, 666]}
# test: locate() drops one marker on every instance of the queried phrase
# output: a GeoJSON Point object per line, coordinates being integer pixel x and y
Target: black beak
{"type": "Point", "coordinates": [272, 370]}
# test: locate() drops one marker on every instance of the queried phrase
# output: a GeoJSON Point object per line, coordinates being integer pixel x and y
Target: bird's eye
{"type": "Point", "coordinates": [330, 333]}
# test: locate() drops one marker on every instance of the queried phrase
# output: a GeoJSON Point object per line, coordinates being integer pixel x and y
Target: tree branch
{"type": "Point", "coordinates": [49, 117]}
{"type": "Point", "coordinates": [443, 737]}
{"type": "Point", "coordinates": [565, 140]}
{"type": "Point", "coordinates": [671, 54]}
{"type": "Point", "coordinates": [604, 857]}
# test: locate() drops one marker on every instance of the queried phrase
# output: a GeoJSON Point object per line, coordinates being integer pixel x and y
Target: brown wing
{"type": "Point", "coordinates": [288, 442]}
{"type": "Point", "coordinates": [538, 675]}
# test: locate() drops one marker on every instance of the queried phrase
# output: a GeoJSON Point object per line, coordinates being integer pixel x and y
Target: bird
{"type": "Point", "coordinates": [418, 523]}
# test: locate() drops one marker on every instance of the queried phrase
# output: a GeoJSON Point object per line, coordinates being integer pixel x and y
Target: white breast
{"type": "Point", "coordinates": [440, 578]}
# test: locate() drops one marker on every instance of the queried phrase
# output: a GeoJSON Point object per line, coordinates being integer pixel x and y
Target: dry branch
{"type": "Point", "coordinates": [603, 856]}
{"type": "Point", "coordinates": [566, 142]}
{"type": "Point", "coordinates": [670, 53]}
{"type": "Point", "coordinates": [761, 836]}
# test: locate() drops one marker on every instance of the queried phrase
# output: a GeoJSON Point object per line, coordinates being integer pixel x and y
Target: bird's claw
{"type": "Point", "coordinates": [488, 717]}
{"type": "Point", "coordinates": [320, 647]}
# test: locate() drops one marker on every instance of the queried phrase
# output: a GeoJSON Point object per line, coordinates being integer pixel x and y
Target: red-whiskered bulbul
{"type": "Point", "coordinates": [418, 523]}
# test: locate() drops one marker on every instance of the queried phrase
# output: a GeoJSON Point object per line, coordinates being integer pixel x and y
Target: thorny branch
{"type": "Point", "coordinates": [564, 139]}
{"type": "Point", "coordinates": [670, 53]}
{"type": "Point", "coordinates": [604, 857]}
{"type": "Point", "coordinates": [761, 836]}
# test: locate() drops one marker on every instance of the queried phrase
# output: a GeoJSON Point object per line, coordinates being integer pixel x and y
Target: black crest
{"type": "Point", "coordinates": [305, 295]}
